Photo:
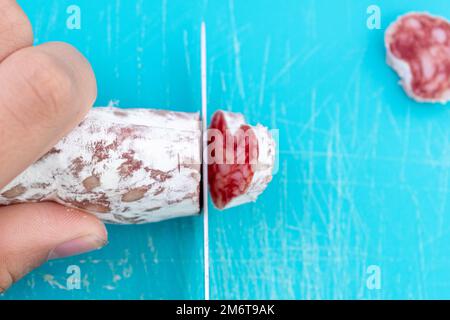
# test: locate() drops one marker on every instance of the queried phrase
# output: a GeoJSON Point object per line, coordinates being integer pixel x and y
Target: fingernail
{"type": "Point", "coordinates": [77, 246]}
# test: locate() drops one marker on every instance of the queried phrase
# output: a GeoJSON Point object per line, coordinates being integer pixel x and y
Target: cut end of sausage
{"type": "Point", "coordinates": [240, 160]}
{"type": "Point", "coordinates": [418, 49]}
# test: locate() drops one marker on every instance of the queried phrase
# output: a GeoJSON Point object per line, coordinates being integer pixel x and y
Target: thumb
{"type": "Point", "coordinates": [31, 234]}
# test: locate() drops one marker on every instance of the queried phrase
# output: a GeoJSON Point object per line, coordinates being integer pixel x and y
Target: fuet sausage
{"type": "Point", "coordinates": [240, 166]}
{"type": "Point", "coordinates": [418, 49]}
{"type": "Point", "coordinates": [132, 166]}
{"type": "Point", "coordinates": [122, 165]}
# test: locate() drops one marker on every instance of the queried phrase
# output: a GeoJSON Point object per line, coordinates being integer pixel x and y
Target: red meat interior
{"type": "Point", "coordinates": [230, 179]}
{"type": "Point", "coordinates": [424, 42]}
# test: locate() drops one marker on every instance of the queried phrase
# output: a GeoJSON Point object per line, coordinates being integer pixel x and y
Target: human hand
{"type": "Point", "coordinates": [45, 91]}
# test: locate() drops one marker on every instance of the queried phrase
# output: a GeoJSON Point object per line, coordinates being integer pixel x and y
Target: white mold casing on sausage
{"type": "Point", "coordinates": [125, 166]}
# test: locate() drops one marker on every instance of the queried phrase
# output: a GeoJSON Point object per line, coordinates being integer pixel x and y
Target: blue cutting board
{"type": "Point", "coordinates": [359, 206]}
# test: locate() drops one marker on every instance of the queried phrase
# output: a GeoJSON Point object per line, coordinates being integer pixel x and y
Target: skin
{"type": "Point", "coordinates": [45, 91]}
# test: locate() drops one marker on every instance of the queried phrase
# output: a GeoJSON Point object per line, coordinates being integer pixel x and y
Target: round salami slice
{"type": "Point", "coordinates": [241, 160]}
{"type": "Point", "coordinates": [418, 49]}
{"type": "Point", "coordinates": [123, 165]}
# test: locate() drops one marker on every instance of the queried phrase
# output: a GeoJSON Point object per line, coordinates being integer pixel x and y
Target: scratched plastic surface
{"type": "Point", "coordinates": [363, 173]}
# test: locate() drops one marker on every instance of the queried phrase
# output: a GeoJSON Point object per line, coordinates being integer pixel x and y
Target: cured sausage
{"type": "Point", "coordinates": [132, 166]}
{"type": "Point", "coordinates": [122, 165]}
{"type": "Point", "coordinates": [418, 49]}
{"type": "Point", "coordinates": [240, 160]}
